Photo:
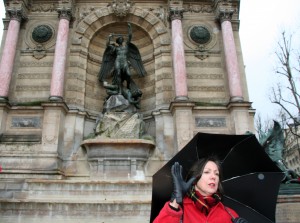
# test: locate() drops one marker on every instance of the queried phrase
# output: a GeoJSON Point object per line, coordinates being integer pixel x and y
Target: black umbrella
{"type": "Point", "coordinates": [251, 179]}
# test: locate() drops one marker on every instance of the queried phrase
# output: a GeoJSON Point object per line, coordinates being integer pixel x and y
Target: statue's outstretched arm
{"type": "Point", "coordinates": [129, 33]}
{"type": "Point", "coordinates": [108, 39]}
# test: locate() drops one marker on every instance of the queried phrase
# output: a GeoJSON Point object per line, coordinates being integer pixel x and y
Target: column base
{"type": "Point", "coordinates": [56, 98]}
{"type": "Point", "coordinates": [236, 99]}
{"type": "Point", "coordinates": [181, 98]}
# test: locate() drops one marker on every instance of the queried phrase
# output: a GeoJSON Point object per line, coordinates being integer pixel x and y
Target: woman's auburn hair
{"type": "Point", "coordinates": [198, 168]}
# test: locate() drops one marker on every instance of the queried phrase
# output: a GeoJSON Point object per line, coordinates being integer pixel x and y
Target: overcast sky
{"type": "Point", "coordinates": [261, 22]}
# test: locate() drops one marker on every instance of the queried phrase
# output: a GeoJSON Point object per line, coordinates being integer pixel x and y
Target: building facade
{"type": "Point", "coordinates": [50, 95]}
{"type": "Point", "coordinates": [291, 152]}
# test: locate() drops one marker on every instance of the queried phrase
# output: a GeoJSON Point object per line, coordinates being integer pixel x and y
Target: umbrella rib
{"type": "Point", "coordinates": [250, 136]}
{"type": "Point", "coordinates": [229, 198]}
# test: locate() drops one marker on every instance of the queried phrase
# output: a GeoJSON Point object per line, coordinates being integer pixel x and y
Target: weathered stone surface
{"type": "Point", "coordinates": [120, 125]}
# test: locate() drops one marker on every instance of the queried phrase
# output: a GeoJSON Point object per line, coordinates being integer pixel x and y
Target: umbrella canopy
{"type": "Point", "coordinates": [251, 179]}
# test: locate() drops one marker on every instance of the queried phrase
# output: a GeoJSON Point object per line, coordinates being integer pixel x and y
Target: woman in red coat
{"type": "Point", "coordinates": [199, 199]}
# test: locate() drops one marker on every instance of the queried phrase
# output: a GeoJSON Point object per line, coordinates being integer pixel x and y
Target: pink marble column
{"type": "Point", "coordinates": [8, 55]}
{"type": "Point", "coordinates": [59, 64]}
{"type": "Point", "coordinates": [178, 56]}
{"type": "Point", "coordinates": [232, 66]}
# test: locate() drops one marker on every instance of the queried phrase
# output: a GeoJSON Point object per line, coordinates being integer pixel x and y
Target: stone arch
{"type": "Point", "coordinates": [87, 63]}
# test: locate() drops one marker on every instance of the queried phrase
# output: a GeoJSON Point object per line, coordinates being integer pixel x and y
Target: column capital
{"type": "Point", "coordinates": [175, 14]}
{"type": "Point", "coordinates": [16, 14]}
{"type": "Point", "coordinates": [225, 14]}
{"type": "Point", "coordinates": [65, 13]}
{"type": "Point", "coordinates": [16, 10]}
{"type": "Point", "coordinates": [224, 9]}
{"type": "Point", "coordinates": [66, 9]}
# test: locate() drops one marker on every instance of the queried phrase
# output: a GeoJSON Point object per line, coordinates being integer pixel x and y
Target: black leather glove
{"type": "Point", "coordinates": [240, 220]}
{"type": "Point", "coordinates": [180, 187]}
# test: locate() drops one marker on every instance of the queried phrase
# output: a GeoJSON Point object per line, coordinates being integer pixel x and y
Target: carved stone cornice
{"type": "Point", "coordinates": [121, 8]}
{"type": "Point", "coordinates": [175, 14]}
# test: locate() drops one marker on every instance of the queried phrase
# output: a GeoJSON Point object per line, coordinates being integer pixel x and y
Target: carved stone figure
{"type": "Point", "coordinates": [117, 61]}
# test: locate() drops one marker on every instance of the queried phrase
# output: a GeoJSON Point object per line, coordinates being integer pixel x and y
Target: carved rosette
{"type": "Point", "coordinates": [121, 8]}
{"type": "Point", "coordinates": [176, 14]}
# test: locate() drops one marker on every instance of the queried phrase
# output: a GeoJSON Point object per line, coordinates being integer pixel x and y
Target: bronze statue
{"type": "Point", "coordinates": [273, 143]}
{"type": "Point", "coordinates": [117, 61]}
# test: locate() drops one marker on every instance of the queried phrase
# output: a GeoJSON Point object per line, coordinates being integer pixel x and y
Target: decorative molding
{"type": "Point", "coordinates": [175, 14]}
{"type": "Point", "coordinates": [26, 122]}
{"type": "Point", "coordinates": [50, 139]}
{"type": "Point", "coordinates": [205, 76]}
{"type": "Point", "coordinates": [201, 38]}
{"type": "Point", "coordinates": [198, 8]}
{"type": "Point", "coordinates": [36, 64]}
{"type": "Point", "coordinates": [204, 64]}
{"type": "Point", "coordinates": [39, 7]}
{"type": "Point", "coordinates": [225, 14]}
{"type": "Point", "coordinates": [40, 37]}
{"type": "Point", "coordinates": [32, 88]}
{"type": "Point", "coordinates": [164, 76]}
{"type": "Point", "coordinates": [207, 88]}
{"type": "Point", "coordinates": [65, 13]}
{"type": "Point", "coordinates": [16, 14]}
{"type": "Point", "coordinates": [210, 122]}
{"type": "Point", "coordinates": [121, 8]}
{"type": "Point", "coordinates": [160, 13]}
{"type": "Point", "coordinates": [225, 9]}
{"type": "Point", "coordinates": [34, 76]}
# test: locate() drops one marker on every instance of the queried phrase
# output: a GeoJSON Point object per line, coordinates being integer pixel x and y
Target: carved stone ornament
{"type": "Point", "coordinates": [176, 14]}
{"type": "Point", "coordinates": [121, 7]}
{"type": "Point", "coordinates": [40, 38]}
{"type": "Point", "coordinates": [201, 38]}
{"type": "Point", "coordinates": [42, 33]}
{"type": "Point", "coordinates": [200, 34]}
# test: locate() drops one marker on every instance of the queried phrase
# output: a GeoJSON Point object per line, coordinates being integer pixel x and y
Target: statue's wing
{"type": "Point", "coordinates": [107, 65]}
{"type": "Point", "coordinates": [136, 60]}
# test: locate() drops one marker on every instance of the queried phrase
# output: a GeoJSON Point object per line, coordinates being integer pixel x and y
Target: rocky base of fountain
{"type": "Point", "coordinates": [118, 149]}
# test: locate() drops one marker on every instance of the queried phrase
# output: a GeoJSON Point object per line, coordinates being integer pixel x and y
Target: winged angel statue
{"type": "Point", "coordinates": [117, 61]}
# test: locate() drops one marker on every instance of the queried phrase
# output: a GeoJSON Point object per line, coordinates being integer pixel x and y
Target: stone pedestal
{"type": "Point", "coordinates": [118, 158]}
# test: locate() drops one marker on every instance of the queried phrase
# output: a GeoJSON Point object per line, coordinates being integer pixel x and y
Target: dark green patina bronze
{"type": "Point", "coordinates": [200, 34]}
{"type": "Point", "coordinates": [42, 33]}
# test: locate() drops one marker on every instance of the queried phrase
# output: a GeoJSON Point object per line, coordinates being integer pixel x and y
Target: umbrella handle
{"type": "Point", "coordinates": [235, 220]}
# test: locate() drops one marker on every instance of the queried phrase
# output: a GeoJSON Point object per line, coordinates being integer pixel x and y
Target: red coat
{"type": "Point", "coordinates": [191, 214]}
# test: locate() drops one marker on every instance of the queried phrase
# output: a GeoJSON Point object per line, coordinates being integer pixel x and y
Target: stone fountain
{"type": "Point", "coordinates": [119, 147]}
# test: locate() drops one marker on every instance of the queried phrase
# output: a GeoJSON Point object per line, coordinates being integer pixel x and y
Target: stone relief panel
{"type": "Point", "coordinates": [198, 8]}
{"type": "Point", "coordinates": [25, 122]}
{"type": "Point", "coordinates": [210, 122]}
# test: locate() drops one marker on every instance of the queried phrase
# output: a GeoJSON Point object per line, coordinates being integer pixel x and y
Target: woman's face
{"type": "Point", "coordinates": [209, 181]}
